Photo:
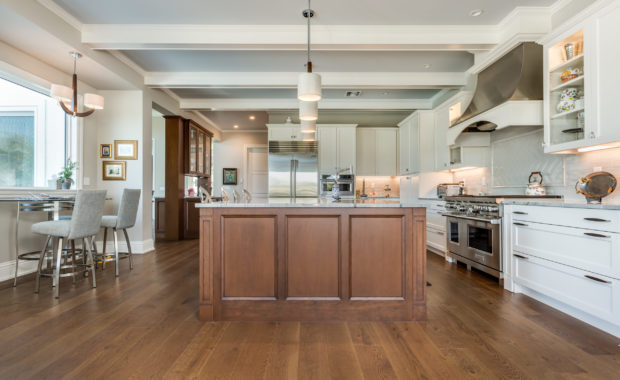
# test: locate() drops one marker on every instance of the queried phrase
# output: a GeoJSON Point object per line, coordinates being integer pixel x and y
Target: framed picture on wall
{"type": "Point", "coordinates": [114, 170]}
{"type": "Point", "coordinates": [125, 149]}
{"type": "Point", "coordinates": [105, 151]}
{"type": "Point", "coordinates": [230, 176]}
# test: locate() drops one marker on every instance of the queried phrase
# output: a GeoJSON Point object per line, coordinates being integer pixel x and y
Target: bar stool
{"type": "Point", "coordinates": [84, 223]}
{"type": "Point", "coordinates": [125, 218]}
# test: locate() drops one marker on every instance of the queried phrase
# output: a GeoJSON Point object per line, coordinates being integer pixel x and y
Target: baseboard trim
{"type": "Point", "coordinates": [137, 247]}
{"type": "Point", "coordinates": [7, 269]}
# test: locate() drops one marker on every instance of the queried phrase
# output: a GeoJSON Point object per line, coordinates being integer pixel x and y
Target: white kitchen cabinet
{"type": "Point", "coordinates": [445, 156]}
{"type": "Point", "coordinates": [416, 136]}
{"type": "Point", "coordinates": [436, 227]}
{"type": "Point", "coordinates": [592, 122]}
{"type": "Point", "coordinates": [337, 147]}
{"type": "Point", "coordinates": [284, 132]}
{"type": "Point", "coordinates": [377, 151]}
{"type": "Point", "coordinates": [567, 258]}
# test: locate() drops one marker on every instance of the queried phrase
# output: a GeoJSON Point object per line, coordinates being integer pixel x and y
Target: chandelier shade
{"type": "Point", "coordinates": [93, 101]}
{"type": "Point", "coordinates": [308, 111]}
{"type": "Point", "coordinates": [308, 126]}
{"type": "Point", "coordinates": [308, 136]}
{"type": "Point", "coordinates": [61, 93]}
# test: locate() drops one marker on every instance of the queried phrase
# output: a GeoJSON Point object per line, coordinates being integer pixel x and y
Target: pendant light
{"type": "Point", "coordinates": [68, 96]}
{"type": "Point", "coordinates": [309, 84]}
{"type": "Point", "coordinates": [308, 126]}
{"type": "Point", "coordinates": [308, 137]}
{"type": "Point", "coordinates": [308, 111]}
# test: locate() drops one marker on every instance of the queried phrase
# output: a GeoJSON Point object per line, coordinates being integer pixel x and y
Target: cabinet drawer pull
{"type": "Point", "coordinates": [519, 256]}
{"type": "Point", "coordinates": [519, 212]}
{"type": "Point", "coordinates": [597, 220]}
{"type": "Point", "coordinates": [597, 279]}
{"type": "Point", "coordinates": [520, 224]}
{"type": "Point", "coordinates": [596, 235]}
{"type": "Point", "coordinates": [438, 232]}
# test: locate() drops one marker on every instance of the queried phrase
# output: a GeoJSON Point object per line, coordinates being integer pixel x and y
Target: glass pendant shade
{"type": "Point", "coordinates": [309, 87]}
{"type": "Point", "coordinates": [308, 111]}
{"type": "Point", "coordinates": [93, 101]}
{"type": "Point", "coordinates": [308, 126]}
{"type": "Point", "coordinates": [308, 136]}
{"type": "Point", "coordinates": [62, 93]}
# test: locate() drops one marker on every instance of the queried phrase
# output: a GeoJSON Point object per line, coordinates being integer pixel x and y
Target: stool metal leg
{"type": "Point", "coordinates": [91, 259]}
{"type": "Point", "coordinates": [105, 240]}
{"type": "Point", "coordinates": [41, 258]}
{"type": "Point", "coordinates": [116, 251]}
{"type": "Point", "coordinates": [16, 244]}
{"type": "Point", "coordinates": [73, 260]}
{"type": "Point", "coordinates": [128, 249]}
{"type": "Point", "coordinates": [57, 269]}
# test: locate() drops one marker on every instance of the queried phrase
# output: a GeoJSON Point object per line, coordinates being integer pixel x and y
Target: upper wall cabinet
{"type": "Point", "coordinates": [377, 151]}
{"type": "Point", "coordinates": [581, 84]}
{"type": "Point", "coordinates": [337, 147]}
{"type": "Point", "coordinates": [445, 115]}
{"type": "Point", "coordinates": [197, 150]}
{"type": "Point", "coordinates": [416, 143]}
{"type": "Point", "coordinates": [284, 132]}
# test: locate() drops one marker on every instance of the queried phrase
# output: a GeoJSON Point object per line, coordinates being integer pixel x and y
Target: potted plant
{"type": "Point", "coordinates": [65, 177]}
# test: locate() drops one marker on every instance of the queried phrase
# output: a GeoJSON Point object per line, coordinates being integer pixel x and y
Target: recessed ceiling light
{"type": "Point", "coordinates": [428, 66]}
{"type": "Point", "coordinates": [235, 126]}
{"type": "Point", "coordinates": [476, 12]}
{"type": "Point", "coordinates": [252, 117]}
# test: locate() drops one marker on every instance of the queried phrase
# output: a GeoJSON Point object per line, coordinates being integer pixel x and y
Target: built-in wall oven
{"type": "Point", "coordinates": [346, 184]}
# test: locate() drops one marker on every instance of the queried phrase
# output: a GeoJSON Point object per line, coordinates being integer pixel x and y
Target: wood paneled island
{"type": "Point", "coordinates": [303, 260]}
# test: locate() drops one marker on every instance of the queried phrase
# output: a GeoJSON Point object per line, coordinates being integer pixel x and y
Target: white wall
{"type": "Point", "coordinates": [229, 153]}
{"type": "Point", "coordinates": [159, 156]}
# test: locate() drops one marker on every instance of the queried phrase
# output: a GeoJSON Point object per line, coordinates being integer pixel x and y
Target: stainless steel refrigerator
{"type": "Point", "coordinates": [293, 169]}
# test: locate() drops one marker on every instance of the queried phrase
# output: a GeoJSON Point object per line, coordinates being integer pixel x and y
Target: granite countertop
{"type": "Point", "coordinates": [564, 204]}
{"type": "Point", "coordinates": [312, 202]}
{"type": "Point", "coordinates": [36, 199]}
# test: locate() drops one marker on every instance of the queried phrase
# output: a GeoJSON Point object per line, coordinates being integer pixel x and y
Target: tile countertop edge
{"type": "Point", "coordinates": [602, 206]}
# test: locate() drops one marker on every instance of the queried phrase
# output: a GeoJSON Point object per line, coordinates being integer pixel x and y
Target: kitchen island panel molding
{"type": "Point", "coordinates": [283, 264]}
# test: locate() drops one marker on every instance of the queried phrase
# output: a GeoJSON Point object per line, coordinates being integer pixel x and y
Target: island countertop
{"type": "Point", "coordinates": [313, 202]}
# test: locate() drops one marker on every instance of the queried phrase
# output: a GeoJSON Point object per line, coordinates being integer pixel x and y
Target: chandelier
{"type": "Point", "coordinates": [68, 97]}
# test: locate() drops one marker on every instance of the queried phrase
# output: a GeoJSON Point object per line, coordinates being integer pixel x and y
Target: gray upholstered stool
{"type": "Point", "coordinates": [125, 218]}
{"type": "Point", "coordinates": [85, 222]}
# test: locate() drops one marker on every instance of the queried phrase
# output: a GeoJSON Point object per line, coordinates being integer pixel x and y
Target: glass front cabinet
{"type": "Point", "coordinates": [197, 150]}
{"type": "Point", "coordinates": [582, 81]}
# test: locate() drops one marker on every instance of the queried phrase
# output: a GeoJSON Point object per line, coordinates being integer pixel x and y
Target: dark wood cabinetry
{"type": "Point", "coordinates": [197, 150]}
{"type": "Point", "coordinates": [188, 153]}
{"type": "Point", "coordinates": [160, 218]}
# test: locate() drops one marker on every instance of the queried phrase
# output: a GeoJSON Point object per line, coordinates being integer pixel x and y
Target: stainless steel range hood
{"type": "Point", "coordinates": [509, 92]}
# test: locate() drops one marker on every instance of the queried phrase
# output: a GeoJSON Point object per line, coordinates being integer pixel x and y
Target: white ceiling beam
{"type": "Point", "coordinates": [275, 104]}
{"type": "Point", "coordinates": [359, 80]}
{"type": "Point", "coordinates": [291, 37]}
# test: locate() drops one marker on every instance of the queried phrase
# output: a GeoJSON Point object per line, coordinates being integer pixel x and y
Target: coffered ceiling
{"type": "Point", "coordinates": [227, 59]}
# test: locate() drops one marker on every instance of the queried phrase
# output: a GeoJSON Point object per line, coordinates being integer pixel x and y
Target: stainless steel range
{"type": "Point", "coordinates": [474, 229]}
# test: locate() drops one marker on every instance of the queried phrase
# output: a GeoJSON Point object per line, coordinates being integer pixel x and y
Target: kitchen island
{"type": "Point", "coordinates": [311, 259]}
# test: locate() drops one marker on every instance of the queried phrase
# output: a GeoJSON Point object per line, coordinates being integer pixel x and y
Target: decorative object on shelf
{"type": "Point", "coordinates": [68, 97]}
{"type": "Point", "coordinates": [65, 177]}
{"type": "Point", "coordinates": [309, 84]}
{"type": "Point", "coordinates": [568, 99]}
{"type": "Point", "coordinates": [596, 186]}
{"type": "Point", "coordinates": [570, 74]}
{"type": "Point", "coordinates": [114, 170]}
{"type": "Point", "coordinates": [105, 150]}
{"type": "Point", "coordinates": [535, 186]}
{"type": "Point", "coordinates": [125, 149]}
{"type": "Point", "coordinates": [570, 51]}
{"type": "Point", "coordinates": [229, 176]}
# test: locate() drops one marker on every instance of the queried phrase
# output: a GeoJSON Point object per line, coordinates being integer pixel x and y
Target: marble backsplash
{"type": "Point", "coordinates": [375, 186]}
{"type": "Point", "coordinates": [576, 166]}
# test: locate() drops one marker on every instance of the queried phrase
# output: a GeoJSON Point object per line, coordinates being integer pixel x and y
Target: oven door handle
{"type": "Point", "coordinates": [491, 221]}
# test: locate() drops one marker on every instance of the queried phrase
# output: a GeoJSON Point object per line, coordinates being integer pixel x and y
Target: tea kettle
{"type": "Point", "coordinates": [535, 186]}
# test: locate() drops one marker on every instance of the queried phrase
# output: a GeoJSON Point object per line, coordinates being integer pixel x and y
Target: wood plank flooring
{"type": "Point", "coordinates": [144, 324]}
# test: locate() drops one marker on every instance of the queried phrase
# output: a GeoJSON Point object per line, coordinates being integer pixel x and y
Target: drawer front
{"type": "Point", "coordinates": [593, 251]}
{"type": "Point", "coordinates": [596, 295]}
{"type": "Point", "coordinates": [436, 239]}
{"type": "Point", "coordinates": [591, 219]}
{"type": "Point", "coordinates": [435, 220]}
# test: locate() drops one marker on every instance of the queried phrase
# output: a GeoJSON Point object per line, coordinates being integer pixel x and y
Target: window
{"type": "Point", "coordinates": [34, 137]}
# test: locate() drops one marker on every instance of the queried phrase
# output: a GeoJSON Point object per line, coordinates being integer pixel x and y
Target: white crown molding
{"type": "Point", "coordinates": [597, 7]}
{"type": "Point", "coordinates": [289, 79]}
{"type": "Point", "coordinates": [63, 14]}
{"type": "Point", "coordinates": [275, 104]}
{"type": "Point", "coordinates": [205, 119]}
{"type": "Point", "coordinates": [245, 131]}
{"type": "Point", "coordinates": [559, 5]}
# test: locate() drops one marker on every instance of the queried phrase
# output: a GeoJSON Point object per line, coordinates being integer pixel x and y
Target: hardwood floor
{"type": "Point", "coordinates": [144, 324]}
